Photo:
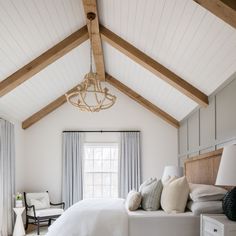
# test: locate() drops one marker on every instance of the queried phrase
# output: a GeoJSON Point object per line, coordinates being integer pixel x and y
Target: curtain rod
{"type": "Point", "coordinates": [100, 131]}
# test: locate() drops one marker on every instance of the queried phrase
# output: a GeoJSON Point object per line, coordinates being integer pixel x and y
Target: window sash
{"type": "Point", "coordinates": [106, 179]}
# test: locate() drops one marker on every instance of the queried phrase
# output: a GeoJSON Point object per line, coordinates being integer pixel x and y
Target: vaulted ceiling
{"type": "Point", "coordinates": [186, 39]}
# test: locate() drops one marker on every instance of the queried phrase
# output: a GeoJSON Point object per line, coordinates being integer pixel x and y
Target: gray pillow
{"type": "Point", "coordinates": [147, 182]}
{"type": "Point", "coordinates": [210, 207]}
{"type": "Point", "coordinates": [204, 193]}
{"type": "Point", "coordinates": [151, 194]}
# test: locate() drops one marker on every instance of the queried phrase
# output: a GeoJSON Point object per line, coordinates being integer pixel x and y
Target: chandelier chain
{"type": "Point", "coordinates": [91, 42]}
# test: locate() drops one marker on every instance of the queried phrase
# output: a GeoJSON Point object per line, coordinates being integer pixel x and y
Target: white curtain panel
{"type": "Point", "coordinates": [130, 163]}
{"type": "Point", "coordinates": [72, 182]}
{"type": "Point", "coordinates": [7, 176]}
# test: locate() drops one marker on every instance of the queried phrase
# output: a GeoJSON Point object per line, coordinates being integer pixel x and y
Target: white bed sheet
{"type": "Point", "coordinates": [159, 223]}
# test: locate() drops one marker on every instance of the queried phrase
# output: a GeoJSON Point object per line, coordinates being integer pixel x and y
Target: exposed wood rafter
{"type": "Point", "coordinates": [46, 110]}
{"type": "Point", "coordinates": [224, 9]}
{"type": "Point", "coordinates": [91, 6]}
{"type": "Point", "coordinates": [142, 101]}
{"type": "Point", "coordinates": [43, 60]}
{"type": "Point", "coordinates": [153, 66]}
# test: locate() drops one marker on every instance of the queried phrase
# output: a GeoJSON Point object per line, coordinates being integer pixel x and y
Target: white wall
{"type": "Point", "coordinates": [42, 153]}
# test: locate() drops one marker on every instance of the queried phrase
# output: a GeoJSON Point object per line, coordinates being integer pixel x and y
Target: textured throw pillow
{"type": "Point", "coordinates": [151, 194]}
{"type": "Point", "coordinates": [210, 207]}
{"type": "Point", "coordinates": [175, 195]}
{"type": "Point", "coordinates": [147, 182]}
{"type": "Point", "coordinates": [133, 200]}
{"type": "Point", "coordinates": [202, 192]}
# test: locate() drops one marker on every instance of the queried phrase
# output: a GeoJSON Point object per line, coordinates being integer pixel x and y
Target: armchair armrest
{"type": "Point", "coordinates": [28, 208]}
{"type": "Point", "coordinates": [58, 204]}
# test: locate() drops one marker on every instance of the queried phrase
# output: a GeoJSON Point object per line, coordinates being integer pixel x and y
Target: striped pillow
{"type": "Point", "coordinates": [151, 195]}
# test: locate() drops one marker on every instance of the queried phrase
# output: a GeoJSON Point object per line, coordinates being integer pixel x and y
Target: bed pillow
{"type": "Point", "coordinates": [175, 195]}
{"type": "Point", "coordinates": [210, 207]}
{"type": "Point", "coordinates": [202, 192]}
{"type": "Point", "coordinates": [147, 182]}
{"type": "Point", "coordinates": [133, 200]}
{"type": "Point", "coordinates": [151, 194]}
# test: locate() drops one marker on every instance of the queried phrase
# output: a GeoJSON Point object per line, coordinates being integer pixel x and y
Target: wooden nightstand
{"type": "Point", "coordinates": [217, 225]}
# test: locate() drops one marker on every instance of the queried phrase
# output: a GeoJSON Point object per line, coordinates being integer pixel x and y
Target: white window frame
{"type": "Point", "coordinates": [102, 144]}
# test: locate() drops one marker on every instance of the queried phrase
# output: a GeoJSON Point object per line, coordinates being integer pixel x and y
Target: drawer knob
{"type": "Point", "coordinates": [215, 230]}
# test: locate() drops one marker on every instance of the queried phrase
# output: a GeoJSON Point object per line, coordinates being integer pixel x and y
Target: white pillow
{"type": "Point", "coordinates": [210, 207]}
{"type": "Point", "coordinates": [202, 192]}
{"type": "Point", "coordinates": [39, 200]}
{"type": "Point", "coordinates": [175, 195]}
{"type": "Point", "coordinates": [133, 200]}
{"type": "Point", "coordinates": [39, 203]}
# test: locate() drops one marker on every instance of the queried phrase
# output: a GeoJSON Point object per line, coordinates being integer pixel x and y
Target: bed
{"type": "Point", "coordinates": [201, 169]}
{"type": "Point", "coordinates": [109, 217]}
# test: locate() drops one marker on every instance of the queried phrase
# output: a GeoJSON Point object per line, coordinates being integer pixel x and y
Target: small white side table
{"type": "Point", "coordinates": [19, 226]}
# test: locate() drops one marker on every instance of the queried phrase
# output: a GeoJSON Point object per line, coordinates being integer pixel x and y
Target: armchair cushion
{"type": "Point", "coordinates": [39, 200]}
{"type": "Point", "coordinates": [46, 212]}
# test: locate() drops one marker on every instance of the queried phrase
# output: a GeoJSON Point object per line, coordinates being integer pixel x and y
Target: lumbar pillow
{"type": "Point", "coordinates": [210, 207]}
{"type": "Point", "coordinates": [151, 194]}
{"type": "Point", "coordinates": [175, 195]}
{"type": "Point", "coordinates": [133, 200]}
{"type": "Point", "coordinates": [202, 192]}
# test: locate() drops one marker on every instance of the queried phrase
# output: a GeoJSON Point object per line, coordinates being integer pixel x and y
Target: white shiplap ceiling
{"type": "Point", "coordinates": [180, 34]}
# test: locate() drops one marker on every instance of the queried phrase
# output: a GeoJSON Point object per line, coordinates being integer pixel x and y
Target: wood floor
{"type": "Point", "coordinates": [32, 230]}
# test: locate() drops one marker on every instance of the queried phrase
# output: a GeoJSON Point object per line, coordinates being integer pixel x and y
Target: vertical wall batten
{"type": "Point", "coordinates": [208, 129]}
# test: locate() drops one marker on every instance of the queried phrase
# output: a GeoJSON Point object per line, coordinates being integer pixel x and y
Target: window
{"type": "Point", "coordinates": [100, 170]}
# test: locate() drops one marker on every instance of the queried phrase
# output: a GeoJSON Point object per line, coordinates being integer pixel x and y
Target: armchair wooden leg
{"type": "Point", "coordinates": [49, 222]}
{"type": "Point", "coordinates": [38, 226]}
{"type": "Point", "coordinates": [26, 223]}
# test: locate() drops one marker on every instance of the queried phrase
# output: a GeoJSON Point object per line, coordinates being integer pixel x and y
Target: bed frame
{"type": "Point", "coordinates": [203, 169]}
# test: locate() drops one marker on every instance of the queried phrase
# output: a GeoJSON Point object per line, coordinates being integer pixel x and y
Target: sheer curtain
{"type": "Point", "coordinates": [7, 176]}
{"type": "Point", "coordinates": [130, 163]}
{"type": "Point", "coordinates": [72, 182]}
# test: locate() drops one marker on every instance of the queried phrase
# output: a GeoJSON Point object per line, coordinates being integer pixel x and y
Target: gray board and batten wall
{"type": "Point", "coordinates": [208, 129]}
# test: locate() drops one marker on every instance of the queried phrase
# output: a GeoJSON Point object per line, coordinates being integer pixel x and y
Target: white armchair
{"type": "Point", "coordinates": [40, 209]}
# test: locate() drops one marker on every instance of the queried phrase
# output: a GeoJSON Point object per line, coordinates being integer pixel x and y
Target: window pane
{"type": "Point", "coordinates": [89, 153]}
{"type": "Point", "coordinates": [88, 165]}
{"type": "Point", "coordinates": [98, 153]}
{"type": "Point", "coordinates": [97, 165]}
{"type": "Point", "coordinates": [106, 166]}
{"type": "Point", "coordinates": [100, 170]}
{"type": "Point", "coordinates": [88, 177]}
{"type": "Point", "coordinates": [97, 179]}
{"type": "Point", "coordinates": [114, 165]}
{"type": "Point", "coordinates": [106, 153]}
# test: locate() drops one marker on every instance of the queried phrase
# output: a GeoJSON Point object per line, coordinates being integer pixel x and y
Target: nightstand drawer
{"type": "Point", "coordinates": [209, 228]}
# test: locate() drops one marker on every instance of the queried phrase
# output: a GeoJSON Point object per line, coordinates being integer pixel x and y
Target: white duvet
{"type": "Point", "coordinates": [95, 217]}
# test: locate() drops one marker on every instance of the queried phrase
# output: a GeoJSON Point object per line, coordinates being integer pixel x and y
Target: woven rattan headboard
{"type": "Point", "coordinates": [203, 169]}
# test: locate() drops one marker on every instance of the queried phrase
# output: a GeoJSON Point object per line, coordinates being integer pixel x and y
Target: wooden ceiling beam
{"type": "Point", "coordinates": [142, 101]}
{"type": "Point", "coordinates": [153, 66]}
{"type": "Point", "coordinates": [224, 9]}
{"type": "Point", "coordinates": [91, 6]}
{"type": "Point", "coordinates": [46, 110]}
{"type": "Point", "coordinates": [43, 61]}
